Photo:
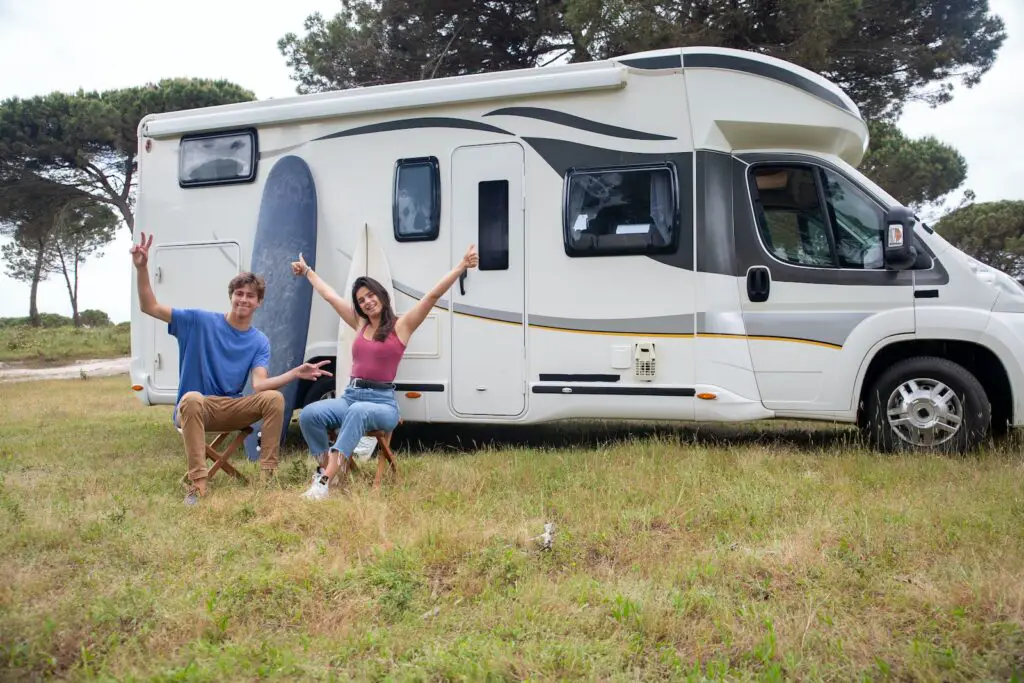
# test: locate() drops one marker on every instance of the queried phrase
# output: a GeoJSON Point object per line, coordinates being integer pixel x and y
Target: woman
{"type": "Point", "coordinates": [368, 402]}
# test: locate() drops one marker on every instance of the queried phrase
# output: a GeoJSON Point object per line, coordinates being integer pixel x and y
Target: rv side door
{"type": "Point", "coordinates": [488, 318]}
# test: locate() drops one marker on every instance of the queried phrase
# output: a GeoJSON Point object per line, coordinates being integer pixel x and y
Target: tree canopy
{"type": "Point", "coordinates": [88, 141]}
{"type": "Point", "coordinates": [915, 172]}
{"type": "Point", "coordinates": [992, 232]}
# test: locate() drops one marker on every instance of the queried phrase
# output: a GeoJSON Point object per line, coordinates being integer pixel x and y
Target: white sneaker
{"type": "Point", "coordinates": [318, 490]}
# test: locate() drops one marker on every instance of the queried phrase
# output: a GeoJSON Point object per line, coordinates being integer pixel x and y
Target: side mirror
{"type": "Point", "coordinates": [900, 252]}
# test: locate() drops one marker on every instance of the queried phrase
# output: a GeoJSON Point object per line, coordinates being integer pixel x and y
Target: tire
{"type": "Point", "coordinates": [927, 421]}
{"type": "Point", "coordinates": [322, 388]}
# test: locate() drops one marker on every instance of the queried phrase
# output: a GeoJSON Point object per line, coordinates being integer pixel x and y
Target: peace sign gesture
{"type": "Point", "coordinates": [140, 252]}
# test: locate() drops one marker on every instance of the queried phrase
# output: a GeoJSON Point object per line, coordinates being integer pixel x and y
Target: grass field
{"type": "Point", "coordinates": [50, 345]}
{"type": "Point", "coordinates": [768, 553]}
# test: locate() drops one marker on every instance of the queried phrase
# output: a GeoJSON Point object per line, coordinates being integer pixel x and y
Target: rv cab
{"type": "Point", "coordinates": [680, 234]}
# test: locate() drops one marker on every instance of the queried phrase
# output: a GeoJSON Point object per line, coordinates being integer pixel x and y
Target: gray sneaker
{"type": "Point", "coordinates": [192, 497]}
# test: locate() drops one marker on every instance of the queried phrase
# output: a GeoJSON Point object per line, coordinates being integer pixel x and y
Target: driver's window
{"type": "Point", "coordinates": [857, 222]}
{"type": "Point", "coordinates": [790, 216]}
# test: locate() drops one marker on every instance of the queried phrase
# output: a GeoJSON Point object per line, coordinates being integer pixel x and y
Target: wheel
{"type": "Point", "coordinates": [322, 388]}
{"type": "Point", "coordinates": [927, 404]}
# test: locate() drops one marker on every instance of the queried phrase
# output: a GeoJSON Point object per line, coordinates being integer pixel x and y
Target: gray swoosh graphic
{"type": "Point", "coordinates": [831, 328]}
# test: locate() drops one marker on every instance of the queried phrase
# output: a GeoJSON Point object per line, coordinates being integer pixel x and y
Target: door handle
{"type": "Point", "coordinates": [462, 283]}
{"type": "Point", "coordinates": [758, 284]}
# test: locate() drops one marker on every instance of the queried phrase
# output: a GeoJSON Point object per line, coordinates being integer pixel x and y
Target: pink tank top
{"type": "Point", "coordinates": [374, 360]}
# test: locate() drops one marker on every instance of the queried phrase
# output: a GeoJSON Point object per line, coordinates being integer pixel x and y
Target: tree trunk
{"type": "Point", "coordinates": [72, 289]}
{"type": "Point", "coordinates": [33, 312]}
{"type": "Point", "coordinates": [126, 213]}
{"type": "Point", "coordinates": [74, 296]}
{"type": "Point", "coordinates": [37, 273]}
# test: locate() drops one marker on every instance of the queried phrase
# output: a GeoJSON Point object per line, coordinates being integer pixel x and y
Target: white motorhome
{"type": "Point", "coordinates": [671, 235]}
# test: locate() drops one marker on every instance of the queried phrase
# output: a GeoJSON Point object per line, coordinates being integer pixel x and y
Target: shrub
{"type": "Point", "coordinates": [94, 318]}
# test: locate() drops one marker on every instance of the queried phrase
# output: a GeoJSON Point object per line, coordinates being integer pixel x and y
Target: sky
{"type": "Point", "coordinates": [145, 41]}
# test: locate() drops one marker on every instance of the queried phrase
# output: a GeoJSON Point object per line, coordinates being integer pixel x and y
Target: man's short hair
{"type": "Point", "coordinates": [243, 279]}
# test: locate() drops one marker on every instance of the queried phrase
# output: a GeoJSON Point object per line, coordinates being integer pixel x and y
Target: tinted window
{"type": "Point", "coordinates": [621, 211]}
{"type": "Point", "coordinates": [493, 225]}
{"type": "Point", "coordinates": [417, 201]}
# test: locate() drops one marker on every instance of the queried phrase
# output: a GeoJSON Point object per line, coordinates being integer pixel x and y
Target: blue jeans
{"type": "Point", "coordinates": [355, 411]}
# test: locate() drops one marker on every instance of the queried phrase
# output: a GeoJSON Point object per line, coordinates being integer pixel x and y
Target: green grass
{"type": "Point", "coordinates": [49, 345]}
{"type": "Point", "coordinates": [768, 553]}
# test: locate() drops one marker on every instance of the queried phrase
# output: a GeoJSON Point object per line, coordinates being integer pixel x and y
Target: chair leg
{"type": "Point", "coordinates": [220, 458]}
{"type": "Point", "coordinates": [384, 442]}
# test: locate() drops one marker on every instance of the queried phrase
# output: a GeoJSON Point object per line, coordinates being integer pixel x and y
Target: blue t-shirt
{"type": "Point", "coordinates": [214, 358]}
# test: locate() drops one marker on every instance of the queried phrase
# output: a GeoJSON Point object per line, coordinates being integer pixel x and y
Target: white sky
{"type": "Point", "coordinates": [146, 40]}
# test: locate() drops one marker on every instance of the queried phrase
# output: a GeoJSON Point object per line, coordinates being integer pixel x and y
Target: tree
{"type": "Point", "coordinates": [992, 232]}
{"type": "Point", "coordinates": [916, 172]}
{"type": "Point", "coordinates": [28, 207]}
{"type": "Point", "coordinates": [80, 229]}
{"type": "Point", "coordinates": [882, 53]}
{"type": "Point", "coordinates": [88, 140]}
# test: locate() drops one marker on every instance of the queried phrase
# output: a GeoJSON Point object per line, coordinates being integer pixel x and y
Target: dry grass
{"type": "Point", "coordinates": [769, 553]}
{"type": "Point", "coordinates": [39, 346]}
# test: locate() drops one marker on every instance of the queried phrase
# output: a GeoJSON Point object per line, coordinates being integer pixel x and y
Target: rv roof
{"type": "Point", "coordinates": [586, 76]}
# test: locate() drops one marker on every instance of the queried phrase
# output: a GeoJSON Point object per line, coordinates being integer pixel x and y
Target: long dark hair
{"type": "Point", "coordinates": [387, 315]}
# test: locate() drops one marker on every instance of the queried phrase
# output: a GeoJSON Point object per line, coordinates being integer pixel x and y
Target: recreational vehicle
{"type": "Point", "coordinates": [679, 234]}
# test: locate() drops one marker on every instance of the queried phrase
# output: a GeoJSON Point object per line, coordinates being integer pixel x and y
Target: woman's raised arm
{"type": "Point", "coordinates": [410, 321]}
{"type": "Point", "coordinates": [337, 302]}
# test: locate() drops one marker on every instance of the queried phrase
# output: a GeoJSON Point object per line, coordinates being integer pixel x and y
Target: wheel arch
{"type": "Point", "coordinates": [976, 358]}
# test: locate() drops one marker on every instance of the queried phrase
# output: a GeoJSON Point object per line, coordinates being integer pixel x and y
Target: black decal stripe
{"type": "Point", "coordinates": [569, 390]}
{"type": "Point", "coordinates": [408, 124]}
{"type": "Point", "coordinates": [578, 122]}
{"type": "Point", "coordinates": [700, 60]}
{"type": "Point", "coordinates": [654, 63]}
{"type": "Point", "coordinates": [419, 387]}
{"type": "Point", "coordinates": [578, 378]}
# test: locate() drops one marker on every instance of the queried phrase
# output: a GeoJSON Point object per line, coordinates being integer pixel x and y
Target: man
{"type": "Point", "coordinates": [216, 353]}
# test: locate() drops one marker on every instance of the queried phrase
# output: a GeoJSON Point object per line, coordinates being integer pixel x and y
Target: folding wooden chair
{"type": "Point", "coordinates": [384, 445]}
{"type": "Point", "coordinates": [220, 457]}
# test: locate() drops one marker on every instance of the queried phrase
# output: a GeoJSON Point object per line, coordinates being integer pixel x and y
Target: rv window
{"type": "Point", "coordinates": [857, 223]}
{"type": "Point", "coordinates": [217, 159]}
{"type": "Point", "coordinates": [417, 200]}
{"type": "Point", "coordinates": [493, 224]}
{"type": "Point", "coordinates": [621, 211]}
{"type": "Point", "coordinates": [790, 215]}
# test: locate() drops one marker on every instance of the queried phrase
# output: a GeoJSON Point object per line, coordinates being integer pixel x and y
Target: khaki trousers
{"type": "Point", "coordinates": [198, 414]}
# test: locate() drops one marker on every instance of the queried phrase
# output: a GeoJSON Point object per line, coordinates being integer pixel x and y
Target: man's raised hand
{"type": "Point", "coordinates": [140, 252]}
